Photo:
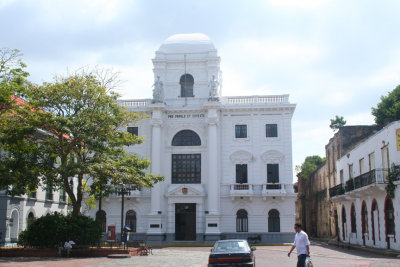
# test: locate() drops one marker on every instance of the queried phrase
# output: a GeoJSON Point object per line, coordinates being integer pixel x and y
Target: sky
{"type": "Point", "coordinates": [332, 57]}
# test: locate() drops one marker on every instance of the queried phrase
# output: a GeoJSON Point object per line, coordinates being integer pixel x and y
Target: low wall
{"type": "Point", "coordinates": [90, 252]}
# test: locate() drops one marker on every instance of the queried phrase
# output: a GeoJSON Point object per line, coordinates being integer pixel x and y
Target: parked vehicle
{"type": "Point", "coordinates": [233, 252]}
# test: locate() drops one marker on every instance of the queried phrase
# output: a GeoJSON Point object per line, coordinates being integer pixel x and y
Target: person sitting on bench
{"type": "Point", "coordinates": [67, 247]}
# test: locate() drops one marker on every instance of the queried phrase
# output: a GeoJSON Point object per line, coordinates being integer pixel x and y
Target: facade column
{"type": "Point", "coordinates": [213, 185]}
{"type": "Point", "coordinates": [155, 218]}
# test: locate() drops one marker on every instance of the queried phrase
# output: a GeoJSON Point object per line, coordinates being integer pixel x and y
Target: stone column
{"type": "Point", "coordinates": [156, 215]}
{"type": "Point", "coordinates": [213, 184]}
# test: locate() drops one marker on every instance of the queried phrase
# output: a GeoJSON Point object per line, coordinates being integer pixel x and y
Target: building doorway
{"type": "Point", "coordinates": [185, 221]}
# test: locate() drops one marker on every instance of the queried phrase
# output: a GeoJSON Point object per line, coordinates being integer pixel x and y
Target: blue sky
{"type": "Point", "coordinates": [332, 57]}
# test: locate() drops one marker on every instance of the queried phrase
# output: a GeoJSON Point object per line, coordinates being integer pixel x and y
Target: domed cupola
{"type": "Point", "coordinates": [187, 43]}
{"type": "Point", "coordinates": [186, 69]}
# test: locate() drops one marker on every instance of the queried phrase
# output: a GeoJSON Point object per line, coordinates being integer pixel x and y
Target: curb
{"type": "Point", "coordinates": [210, 245]}
{"type": "Point", "coordinates": [384, 252]}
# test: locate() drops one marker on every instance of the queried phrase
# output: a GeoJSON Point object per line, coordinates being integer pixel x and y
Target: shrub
{"type": "Point", "coordinates": [52, 231]}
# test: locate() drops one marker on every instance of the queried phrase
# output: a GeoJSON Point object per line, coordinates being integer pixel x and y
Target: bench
{"type": "Point", "coordinates": [141, 245]}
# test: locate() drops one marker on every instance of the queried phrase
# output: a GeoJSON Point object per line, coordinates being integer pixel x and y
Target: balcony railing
{"type": "Point", "coordinates": [336, 190]}
{"type": "Point", "coordinates": [376, 176]}
{"type": "Point", "coordinates": [241, 189]}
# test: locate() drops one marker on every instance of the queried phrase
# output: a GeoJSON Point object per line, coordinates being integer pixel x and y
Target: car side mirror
{"type": "Point", "coordinates": [252, 249]}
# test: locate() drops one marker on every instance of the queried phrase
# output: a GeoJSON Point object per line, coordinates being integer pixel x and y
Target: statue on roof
{"type": "Point", "coordinates": [158, 91]}
{"type": "Point", "coordinates": [214, 86]}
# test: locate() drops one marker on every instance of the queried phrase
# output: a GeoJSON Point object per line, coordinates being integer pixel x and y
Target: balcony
{"type": "Point", "coordinates": [336, 190]}
{"type": "Point", "coordinates": [241, 190]}
{"type": "Point", "coordinates": [371, 178]}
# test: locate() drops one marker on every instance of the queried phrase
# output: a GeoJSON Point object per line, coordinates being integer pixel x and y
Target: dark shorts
{"type": "Point", "coordinates": [301, 260]}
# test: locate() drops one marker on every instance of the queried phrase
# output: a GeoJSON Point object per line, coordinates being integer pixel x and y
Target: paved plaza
{"type": "Point", "coordinates": [322, 255]}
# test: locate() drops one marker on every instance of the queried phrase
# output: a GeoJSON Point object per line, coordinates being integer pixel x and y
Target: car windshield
{"type": "Point", "coordinates": [231, 246]}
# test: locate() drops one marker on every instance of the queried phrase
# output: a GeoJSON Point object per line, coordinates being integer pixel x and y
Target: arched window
{"type": "Point", "coordinates": [274, 222]}
{"type": "Point", "coordinates": [353, 219]}
{"type": "Point", "coordinates": [389, 216]}
{"type": "Point", "coordinates": [186, 138]}
{"type": "Point", "coordinates": [130, 220]}
{"type": "Point", "coordinates": [30, 219]}
{"type": "Point", "coordinates": [364, 218]}
{"type": "Point", "coordinates": [344, 226]}
{"type": "Point", "coordinates": [186, 83]}
{"type": "Point", "coordinates": [101, 217]}
{"type": "Point", "coordinates": [242, 221]}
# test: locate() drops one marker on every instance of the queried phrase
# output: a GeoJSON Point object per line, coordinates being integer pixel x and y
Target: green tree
{"type": "Point", "coordinates": [78, 122]}
{"type": "Point", "coordinates": [388, 109]}
{"type": "Point", "coordinates": [310, 164]}
{"type": "Point", "coordinates": [337, 123]}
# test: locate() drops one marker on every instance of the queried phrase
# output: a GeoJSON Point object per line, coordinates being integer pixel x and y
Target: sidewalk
{"type": "Point", "coordinates": [379, 251]}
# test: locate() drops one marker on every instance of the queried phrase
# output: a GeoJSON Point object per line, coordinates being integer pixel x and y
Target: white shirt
{"type": "Point", "coordinates": [301, 242]}
{"type": "Point", "coordinates": [69, 244]}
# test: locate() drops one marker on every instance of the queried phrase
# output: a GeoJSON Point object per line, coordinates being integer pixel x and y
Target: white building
{"type": "Point", "coordinates": [16, 212]}
{"type": "Point", "coordinates": [227, 161]}
{"type": "Point", "coordinates": [367, 214]}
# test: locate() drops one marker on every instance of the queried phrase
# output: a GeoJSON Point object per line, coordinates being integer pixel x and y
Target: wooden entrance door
{"type": "Point", "coordinates": [185, 221]}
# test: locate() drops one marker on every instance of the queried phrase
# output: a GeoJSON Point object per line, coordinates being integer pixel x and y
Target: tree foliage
{"type": "Point", "coordinates": [13, 77]}
{"type": "Point", "coordinates": [388, 109]}
{"type": "Point", "coordinates": [78, 122]}
{"type": "Point", "coordinates": [337, 123]}
{"type": "Point", "coordinates": [51, 231]}
{"type": "Point", "coordinates": [310, 164]}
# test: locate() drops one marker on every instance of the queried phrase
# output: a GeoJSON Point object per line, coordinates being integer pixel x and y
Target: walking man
{"type": "Point", "coordinates": [302, 244]}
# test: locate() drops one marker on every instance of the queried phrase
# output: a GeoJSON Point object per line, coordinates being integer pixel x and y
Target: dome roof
{"type": "Point", "coordinates": [187, 43]}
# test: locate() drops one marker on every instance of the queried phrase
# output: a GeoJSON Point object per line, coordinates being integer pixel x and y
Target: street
{"type": "Point", "coordinates": [322, 255]}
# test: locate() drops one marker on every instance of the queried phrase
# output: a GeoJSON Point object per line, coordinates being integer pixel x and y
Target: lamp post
{"type": "Point", "coordinates": [122, 190]}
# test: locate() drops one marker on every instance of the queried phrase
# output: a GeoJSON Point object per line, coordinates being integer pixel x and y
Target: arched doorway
{"type": "Point", "coordinates": [375, 221]}
{"type": "Point", "coordinates": [353, 219]}
{"type": "Point", "coordinates": [14, 226]}
{"type": "Point", "coordinates": [344, 225]}
{"type": "Point", "coordinates": [364, 221]}
{"type": "Point", "coordinates": [389, 219]}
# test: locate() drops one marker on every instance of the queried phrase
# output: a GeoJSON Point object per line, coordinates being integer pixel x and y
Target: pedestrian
{"type": "Point", "coordinates": [302, 244]}
{"type": "Point", "coordinates": [67, 247]}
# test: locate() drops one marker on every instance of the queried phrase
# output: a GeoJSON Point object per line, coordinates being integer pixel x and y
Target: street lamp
{"type": "Point", "coordinates": [122, 190]}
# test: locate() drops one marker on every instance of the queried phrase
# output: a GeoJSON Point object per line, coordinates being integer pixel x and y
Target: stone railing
{"type": "Point", "coordinates": [241, 189]}
{"type": "Point", "coordinates": [268, 99]}
{"type": "Point", "coordinates": [134, 103]}
{"type": "Point", "coordinates": [225, 100]}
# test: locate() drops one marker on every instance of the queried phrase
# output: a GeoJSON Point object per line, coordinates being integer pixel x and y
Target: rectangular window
{"type": "Point", "coordinates": [241, 173]}
{"type": "Point", "coordinates": [371, 161]}
{"type": "Point", "coordinates": [351, 174]}
{"type": "Point", "coordinates": [49, 194]}
{"type": "Point", "coordinates": [271, 130]}
{"type": "Point", "coordinates": [240, 131]}
{"type": "Point", "coordinates": [361, 163]}
{"type": "Point", "coordinates": [341, 177]}
{"type": "Point", "coordinates": [32, 194]}
{"type": "Point", "coordinates": [186, 168]}
{"type": "Point", "coordinates": [62, 195]}
{"type": "Point", "coordinates": [272, 173]}
{"type": "Point", "coordinates": [133, 130]}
